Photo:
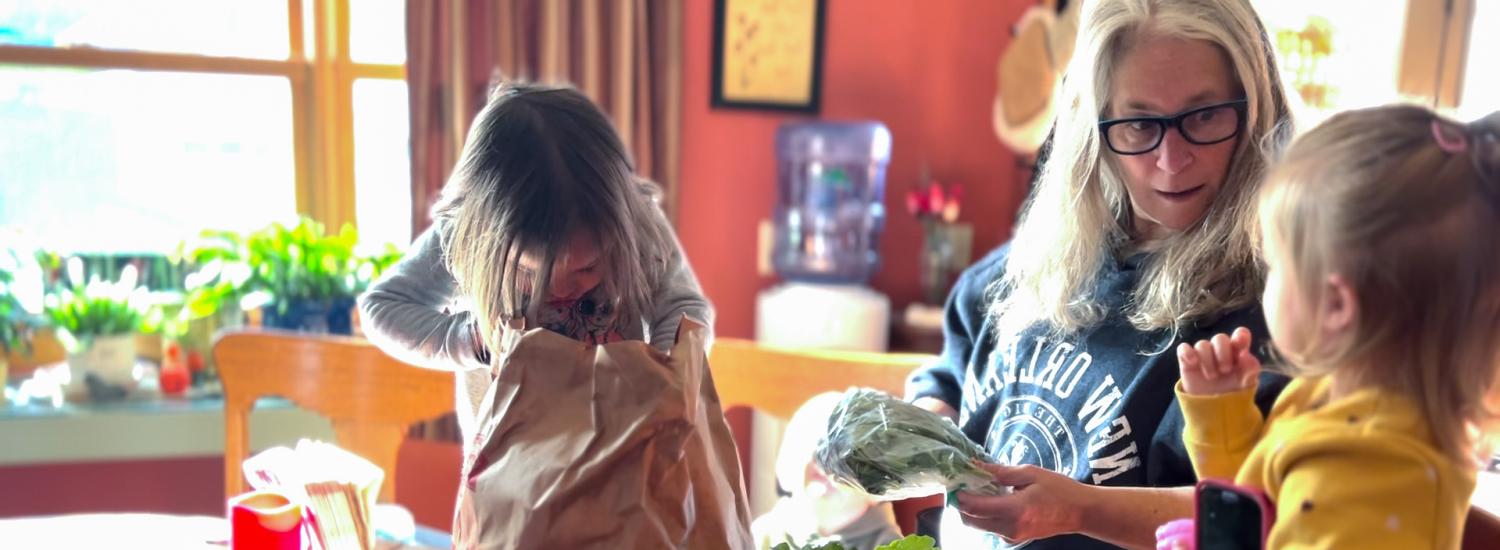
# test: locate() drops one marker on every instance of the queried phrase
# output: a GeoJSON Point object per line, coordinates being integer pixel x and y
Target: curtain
{"type": "Point", "coordinates": [623, 54]}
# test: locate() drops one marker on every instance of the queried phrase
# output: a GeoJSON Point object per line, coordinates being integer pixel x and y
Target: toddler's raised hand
{"type": "Point", "coordinates": [1221, 364]}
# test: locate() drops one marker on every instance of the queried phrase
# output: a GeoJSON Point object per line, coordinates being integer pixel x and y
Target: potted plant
{"type": "Point", "coordinates": [210, 301]}
{"type": "Point", "coordinates": [300, 277]}
{"type": "Point", "coordinates": [12, 331]}
{"type": "Point", "coordinates": [96, 323]}
{"type": "Point", "coordinates": [19, 304]}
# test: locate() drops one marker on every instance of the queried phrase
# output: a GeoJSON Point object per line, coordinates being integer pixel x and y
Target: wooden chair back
{"type": "Point", "coordinates": [371, 398]}
{"type": "Point", "coordinates": [778, 381]}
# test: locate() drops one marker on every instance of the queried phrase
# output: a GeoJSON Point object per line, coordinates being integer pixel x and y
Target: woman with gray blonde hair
{"type": "Point", "coordinates": [1057, 351]}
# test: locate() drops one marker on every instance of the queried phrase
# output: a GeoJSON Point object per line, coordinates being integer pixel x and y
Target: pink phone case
{"type": "Point", "coordinates": [1267, 511]}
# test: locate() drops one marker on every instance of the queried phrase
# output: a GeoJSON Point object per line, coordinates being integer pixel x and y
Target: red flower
{"type": "Point", "coordinates": [936, 199]}
{"type": "Point", "coordinates": [916, 202]}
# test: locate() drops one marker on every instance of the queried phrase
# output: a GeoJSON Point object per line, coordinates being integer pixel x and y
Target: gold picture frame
{"type": "Point", "coordinates": [768, 54]}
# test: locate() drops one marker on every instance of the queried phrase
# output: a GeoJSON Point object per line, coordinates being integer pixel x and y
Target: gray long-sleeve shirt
{"type": "Point", "coordinates": [416, 314]}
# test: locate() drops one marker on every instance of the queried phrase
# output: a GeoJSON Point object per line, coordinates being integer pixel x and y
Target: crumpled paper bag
{"type": "Point", "coordinates": [610, 446]}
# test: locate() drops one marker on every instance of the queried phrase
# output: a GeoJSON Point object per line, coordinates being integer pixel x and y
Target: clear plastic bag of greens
{"type": "Point", "coordinates": [895, 450]}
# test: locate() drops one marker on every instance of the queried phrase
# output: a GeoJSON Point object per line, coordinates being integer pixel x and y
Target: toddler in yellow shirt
{"type": "Point", "coordinates": [1380, 231]}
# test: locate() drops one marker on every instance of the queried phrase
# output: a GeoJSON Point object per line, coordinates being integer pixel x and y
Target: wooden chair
{"type": "Point", "coordinates": [370, 397]}
{"type": "Point", "coordinates": [778, 381]}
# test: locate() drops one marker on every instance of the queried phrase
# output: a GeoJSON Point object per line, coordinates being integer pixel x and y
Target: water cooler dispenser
{"type": "Point", "coordinates": [829, 213]}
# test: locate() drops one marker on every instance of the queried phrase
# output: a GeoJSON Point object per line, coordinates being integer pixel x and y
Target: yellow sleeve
{"type": "Point", "coordinates": [1357, 493]}
{"type": "Point", "coordinates": [1220, 430]}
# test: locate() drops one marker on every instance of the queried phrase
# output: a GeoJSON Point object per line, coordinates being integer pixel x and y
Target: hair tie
{"type": "Point", "coordinates": [1447, 142]}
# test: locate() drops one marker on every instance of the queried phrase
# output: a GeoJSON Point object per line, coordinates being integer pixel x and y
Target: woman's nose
{"type": "Point", "coordinates": [1175, 153]}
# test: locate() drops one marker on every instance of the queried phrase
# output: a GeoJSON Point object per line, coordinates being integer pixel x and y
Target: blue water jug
{"type": "Point", "coordinates": [830, 206]}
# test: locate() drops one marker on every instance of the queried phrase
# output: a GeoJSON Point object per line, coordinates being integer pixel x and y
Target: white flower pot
{"type": "Point", "coordinates": [111, 358]}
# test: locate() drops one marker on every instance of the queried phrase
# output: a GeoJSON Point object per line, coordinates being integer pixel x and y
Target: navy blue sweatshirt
{"type": "Point", "coordinates": [1097, 406]}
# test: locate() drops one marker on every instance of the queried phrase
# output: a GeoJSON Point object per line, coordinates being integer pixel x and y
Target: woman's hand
{"type": "Point", "coordinates": [1222, 364]}
{"type": "Point", "coordinates": [1042, 504]}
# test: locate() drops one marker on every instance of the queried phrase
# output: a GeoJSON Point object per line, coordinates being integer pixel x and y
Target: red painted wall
{"type": "Point", "coordinates": [924, 68]}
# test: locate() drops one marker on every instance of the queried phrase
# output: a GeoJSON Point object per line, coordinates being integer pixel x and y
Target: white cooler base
{"type": "Point", "coordinates": [805, 315]}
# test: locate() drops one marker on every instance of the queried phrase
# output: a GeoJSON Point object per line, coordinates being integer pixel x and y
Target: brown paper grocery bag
{"type": "Point", "coordinates": [611, 446]}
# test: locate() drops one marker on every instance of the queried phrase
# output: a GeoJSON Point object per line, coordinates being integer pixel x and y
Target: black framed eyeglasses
{"type": "Point", "coordinates": [1204, 125]}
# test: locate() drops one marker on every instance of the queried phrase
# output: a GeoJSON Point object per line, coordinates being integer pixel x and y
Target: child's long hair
{"type": "Point", "coordinates": [1080, 213]}
{"type": "Point", "coordinates": [540, 165]}
{"type": "Point", "coordinates": [1414, 227]}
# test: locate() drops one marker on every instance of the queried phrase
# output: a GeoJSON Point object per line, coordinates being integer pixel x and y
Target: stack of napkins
{"type": "Point", "coordinates": [336, 487]}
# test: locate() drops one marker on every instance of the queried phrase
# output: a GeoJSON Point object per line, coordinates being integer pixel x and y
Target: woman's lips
{"type": "Point", "coordinates": [1183, 195]}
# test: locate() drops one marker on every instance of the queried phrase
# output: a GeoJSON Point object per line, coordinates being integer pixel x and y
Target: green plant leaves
{"type": "Point", "coordinates": [83, 311]}
{"type": "Point", "coordinates": [277, 265]}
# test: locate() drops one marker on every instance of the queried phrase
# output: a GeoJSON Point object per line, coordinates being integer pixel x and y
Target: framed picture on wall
{"type": "Point", "coordinates": [768, 54]}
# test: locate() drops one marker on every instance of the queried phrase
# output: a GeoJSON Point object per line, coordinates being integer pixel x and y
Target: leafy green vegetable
{"type": "Point", "coordinates": [831, 545]}
{"type": "Point", "coordinates": [895, 450]}
{"type": "Point", "coordinates": [911, 542]}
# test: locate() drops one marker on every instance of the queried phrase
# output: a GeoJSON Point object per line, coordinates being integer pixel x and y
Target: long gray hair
{"type": "Point", "coordinates": [1080, 214]}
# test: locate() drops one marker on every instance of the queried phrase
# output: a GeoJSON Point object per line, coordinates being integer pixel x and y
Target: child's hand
{"type": "Point", "coordinates": [1218, 365]}
{"type": "Point", "coordinates": [1177, 534]}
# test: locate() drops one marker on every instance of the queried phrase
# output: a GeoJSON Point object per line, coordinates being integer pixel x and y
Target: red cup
{"type": "Point", "coordinates": [265, 520]}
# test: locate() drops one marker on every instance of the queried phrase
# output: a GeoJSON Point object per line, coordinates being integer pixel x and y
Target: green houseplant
{"type": "Point", "coordinates": [12, 328]}
{"type": "Point", "coordinates": [23, 331]}
{"type": "Point", "coordinates": [96, 322]}
{"type": "Point", "coordinates": [301, 277]}
{"type": "Point", "coordinates": [19, 301]}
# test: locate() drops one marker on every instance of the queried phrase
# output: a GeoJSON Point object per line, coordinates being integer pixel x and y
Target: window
{"type": "Point", "coordinates": [128, 161]}
{"type": "Point", "coordinates": [382, 164]}
{"type": "Point", "coordinates": [1345, 55]}
{"type": "Point", "coordinates": [219, 28]}
{"type": "Point", "coordinates": [1481, 90]}
{"type": "Point", "coordinates": [132, 125]}
{"type": "Point", "coordinates": [1336, 56]}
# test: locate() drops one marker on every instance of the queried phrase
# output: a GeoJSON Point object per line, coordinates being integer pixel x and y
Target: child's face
{"type": "Point", "coordinates": [576, 270]}
{"type": "Point", "coordinates": [834, 505]}
{"type": "Point", "coordinates": [1286, 314]}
